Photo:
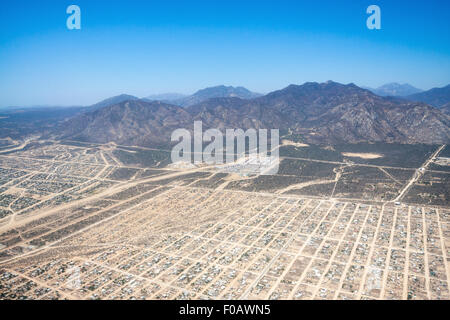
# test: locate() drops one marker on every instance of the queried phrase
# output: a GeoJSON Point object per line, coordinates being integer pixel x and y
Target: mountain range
{"type": "Point", "coordinates": [323, 113]}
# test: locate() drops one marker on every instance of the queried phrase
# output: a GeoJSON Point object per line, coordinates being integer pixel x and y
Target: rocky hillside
{"type": "Point", "coordinates": [133, 122]}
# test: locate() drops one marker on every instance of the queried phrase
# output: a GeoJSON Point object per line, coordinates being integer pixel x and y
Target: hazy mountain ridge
{"type": "Point", "coordinates": [182, 99]}
{"type": "Point", "coordinates": [112, 100]}
{"type": "Point", "coordinates": [395, 90]}
{"type": "Point", "coordinates": [437, 97]}
{"type": "Point", "coordinates": [165, 97]}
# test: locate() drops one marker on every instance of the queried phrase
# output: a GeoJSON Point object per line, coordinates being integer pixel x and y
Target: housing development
{"type": "Point", "coordinates": [104, 221]}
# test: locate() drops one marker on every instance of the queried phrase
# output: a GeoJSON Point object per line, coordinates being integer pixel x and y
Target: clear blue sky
{"type": "Point", "coordinates": [149, 47]}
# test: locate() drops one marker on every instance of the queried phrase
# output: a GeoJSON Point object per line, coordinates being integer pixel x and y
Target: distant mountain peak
{"type": "Point", "coordinates": [395, 89]}
{"type": "Point", "coordinates": [113, 100]}
{"type": "Point", "coordinates": [220, 91]}
{"type": "Point", "coordinates": [165, 97]}
{"type": "Point", "coordinates": [223, 90]}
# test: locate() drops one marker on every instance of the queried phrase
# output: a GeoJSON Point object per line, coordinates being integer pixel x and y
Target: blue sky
{"type": "Point", "coordinates": [150, 47]}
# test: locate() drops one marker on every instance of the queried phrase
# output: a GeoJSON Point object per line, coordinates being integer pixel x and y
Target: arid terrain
{"type": "Point", "coordinates": [103, 221]}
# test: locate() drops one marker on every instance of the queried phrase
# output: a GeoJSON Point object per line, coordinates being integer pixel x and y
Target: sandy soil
{"type": "Point", "coordinates": [362, 155]}
{"type": "Point", "coordinates": [295, 144]}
